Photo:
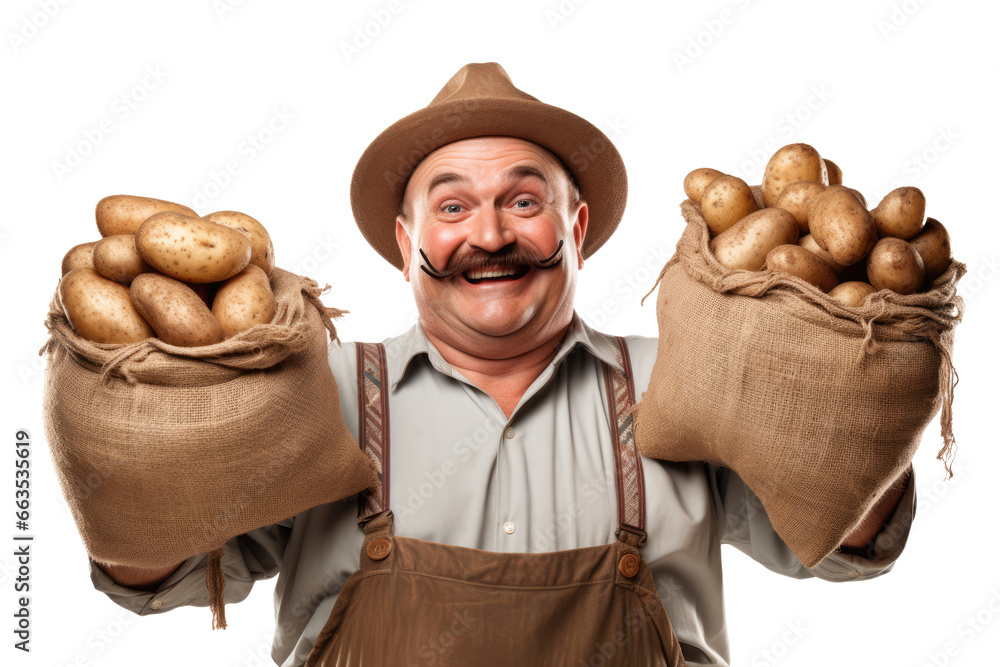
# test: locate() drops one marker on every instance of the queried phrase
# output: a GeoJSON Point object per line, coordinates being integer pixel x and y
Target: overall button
{"type": "Point", "coordinates": [629, 565]}
{"type": "Point", "coordinates": [509, 527]}
{"type": "Point", "coordinates": [378, 549]}
{"type": "Point", "coordinates": [156, 604]}
{"type": "Point", "coordinates": [508, 432]}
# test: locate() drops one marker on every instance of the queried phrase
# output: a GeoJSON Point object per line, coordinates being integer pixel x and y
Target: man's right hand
{"type": "Point", "coordinates": [147, 579]}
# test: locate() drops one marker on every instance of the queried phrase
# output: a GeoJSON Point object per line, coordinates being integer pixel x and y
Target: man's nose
{"type": "Point", "coordinates": [490, 230]}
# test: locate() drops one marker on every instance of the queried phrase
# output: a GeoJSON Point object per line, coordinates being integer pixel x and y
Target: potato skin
{"type": "Point", "coordinates": [99, 309]}
{"type": "Point", "coordinates": [900, 213]}
{"type": "Point", "coordinates": [176, 313]}
{"type": "Point", "coordinates": [809, 243]}
{"type": "Point", "coordinates": [725, 201]}
{"type": "Point", "coordinates": [852, 293]}
{"type": "Point", "coordinates": [116, 258]}
{"type": "Point", "coordinates": [798, 261]}
{"type": "Point", "coordinates": [934, 247]}
{"type": "Point", "coordinates": [192, 249]}
{"type": "Point", "coordinates": [842, 226]}
{"type": "Point", "coordinates": [791, 163]}
{"type": "Point", "coordinates": [745, 245]}
{"type": "Point", "coordinates": [696, 182]}
{"type": "Point", "coordinates": [895, 265]}
{"type": "Point", "coordinates": [261, 248]}
{"type": "Point", "coordinates": [834, 172]}
{"type": "Point", "coordinates": [78, 255]}
{"type": "Point", "coordinates": [797, 198]}
{"type": "Point", "coordinates": [122, 214]}
{"type": "Point", "coordinates": [244, 301]}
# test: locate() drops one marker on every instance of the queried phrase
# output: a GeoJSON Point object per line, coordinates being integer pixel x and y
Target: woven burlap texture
{"type": "Point", "coordinates": [163, 452]}
{"type": "Point", "coordinates": [816, 406]}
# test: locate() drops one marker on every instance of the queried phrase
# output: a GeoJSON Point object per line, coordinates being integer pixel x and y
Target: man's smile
{"type": "Point", "coordinates": [496, 274]}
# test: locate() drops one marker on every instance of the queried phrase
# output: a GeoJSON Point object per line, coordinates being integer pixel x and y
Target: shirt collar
{"type": "Point", "coordinates": [413, 343]}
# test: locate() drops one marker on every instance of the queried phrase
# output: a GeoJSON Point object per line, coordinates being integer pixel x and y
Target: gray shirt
{"type": "Point", "coordinates": [460, 470]}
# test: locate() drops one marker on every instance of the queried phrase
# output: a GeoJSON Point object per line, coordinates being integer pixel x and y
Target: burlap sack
{"type": "Point", "coordinates": [164, 452]}
{"type": "Point", "coordinates": [817, 407]}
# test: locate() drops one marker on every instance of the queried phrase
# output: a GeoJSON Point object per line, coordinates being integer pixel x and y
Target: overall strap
{"type": "Point", "coordinates": [373, 425]}
{"type": "Point", "coordinates": [629, 483]}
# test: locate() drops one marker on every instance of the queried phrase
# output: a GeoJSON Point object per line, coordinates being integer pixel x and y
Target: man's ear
{"type": "Point", "coordinates": [403, 241]}
{"type": "Point", "coordinates": [580, 229]}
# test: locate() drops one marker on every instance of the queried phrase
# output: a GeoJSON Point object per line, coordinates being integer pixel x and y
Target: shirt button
{"type": "Point", "coordinates": [508, 432]}
{"type": "Point", "coordinates": [156, 604]}
{"type": "Point", "coordinates": [853, 575]}
{"type": "Point", "coordinates": [508, 527]}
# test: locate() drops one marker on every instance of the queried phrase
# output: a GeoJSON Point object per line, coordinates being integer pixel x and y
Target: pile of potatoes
{"type": "Point", "coordinates": [162, 270]}
{"type": "Point", "coordinates": [814, 227]}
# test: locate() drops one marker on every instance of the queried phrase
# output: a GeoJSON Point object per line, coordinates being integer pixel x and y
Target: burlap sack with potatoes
{"type": "Point", "coordinates": [164, 452]}
{"type": "Point", "coordinates": [817, 407]}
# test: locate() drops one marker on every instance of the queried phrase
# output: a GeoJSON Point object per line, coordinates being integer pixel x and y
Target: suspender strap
{"type": "Point", "coordinates": [629, 482]}
{"type": "Point", "coordinates": [373, 425]}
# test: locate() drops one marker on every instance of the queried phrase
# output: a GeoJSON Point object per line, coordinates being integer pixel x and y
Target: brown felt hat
{"type": "Point", "coordinates": [480, 100]}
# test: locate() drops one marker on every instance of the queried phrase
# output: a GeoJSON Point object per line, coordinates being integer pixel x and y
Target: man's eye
{"type": "Point", "coordinates": [523, 203]}
{"type": "Point", "coordinates": [453, 208]}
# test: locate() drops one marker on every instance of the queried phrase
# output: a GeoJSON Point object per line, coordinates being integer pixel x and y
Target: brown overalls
{"type": "Point", "coordinates": [414, 602]}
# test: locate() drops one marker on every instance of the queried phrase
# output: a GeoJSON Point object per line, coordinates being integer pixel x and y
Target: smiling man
{"type": "Point", "coordinates": [514, 523]}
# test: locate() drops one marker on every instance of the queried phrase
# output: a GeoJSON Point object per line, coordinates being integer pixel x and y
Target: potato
{"type": "Point", "coordinates": [726, 200]}
{"type": "Point", "coordinates": [797, 198]}
{"type": "Point", "coordinates": [745, 245]}
{"type": "Point", "coordinates": [861, 197]}
{"type": "Point", "coordinates": [842, 226]}
{"type": "Point", "coordinates": [894, 264]}
{"type": "Point", "coordinates": [175, 312]}
{"type": "Point", "coordinates": [78, 255]}
{"type": "Point", "coordinates": [900, 213]}
{"type": "Point", "coordinates": [809, 243]}
{"type": "Point", "coordinates": [122, 214]}
{"type": "Point", "coordinates": [192, 249]}
{"type": "Point", "coordinates": [798, 261]}
{"type": "Point", "coordinates": [261, 249]}
{"type": "Point", "coordinates": [696, 182]}
{"type": "Point", "coordinates": [205, 291]}
{"type": "Point", "coordinates": [934, 247]}
{"type": "Point", "coordinates": [244, 300]}
{"type": "Point", "coordinates": [834, 173]}
{"type": "Point", "coordinates": [853, 293]}
{"type": "Point", "coordinates": [795, 162]}
{"type": "Point", "coordinates": [99, 309]}
{"type": "Point", "coordinates": [116, 258]}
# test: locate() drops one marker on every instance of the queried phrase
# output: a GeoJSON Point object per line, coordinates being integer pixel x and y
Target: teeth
{"type": "Point", "coordinates": [479, 275]}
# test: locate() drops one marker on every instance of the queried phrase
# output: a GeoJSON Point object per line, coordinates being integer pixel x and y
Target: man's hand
{"type": "Point", "coordinates": [146, 579]}
{"type": "Point", "coordinates": [880, 513]}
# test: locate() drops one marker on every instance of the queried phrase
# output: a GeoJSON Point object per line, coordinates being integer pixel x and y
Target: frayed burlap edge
{"type": "Point", "coordinates": [931, 315]}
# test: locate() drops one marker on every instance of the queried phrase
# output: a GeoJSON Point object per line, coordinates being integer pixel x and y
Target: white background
{"type": "Point", "coordinates": [875, 85]}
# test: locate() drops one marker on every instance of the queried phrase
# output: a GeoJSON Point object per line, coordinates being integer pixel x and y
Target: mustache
{"type": "Point", "coordinates": [509, 257]}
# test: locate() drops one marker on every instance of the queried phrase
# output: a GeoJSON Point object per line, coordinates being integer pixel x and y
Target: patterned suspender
{"type": "Point", "coordinates": [373, 435]}
{"type": "Point", "coordinates": [373, 425]}
{"type": "Point", "coordinates": [629, 484]}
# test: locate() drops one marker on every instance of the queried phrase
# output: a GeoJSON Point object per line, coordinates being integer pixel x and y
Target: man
{"type": "Point", "coordinates": [497, 405]}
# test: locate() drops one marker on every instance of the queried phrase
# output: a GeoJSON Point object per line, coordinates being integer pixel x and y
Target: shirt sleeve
{"type": "Point", "coordinates": [246, 558]}
{"type": "Point", "coordinates": [744, 524]}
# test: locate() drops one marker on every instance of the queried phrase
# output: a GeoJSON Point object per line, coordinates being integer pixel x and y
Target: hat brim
{"type": "Point", "coordinates": [381, 174]}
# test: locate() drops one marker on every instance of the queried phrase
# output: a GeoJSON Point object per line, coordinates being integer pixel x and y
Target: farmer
{"type": "Point", "coordinates": [524, 527]}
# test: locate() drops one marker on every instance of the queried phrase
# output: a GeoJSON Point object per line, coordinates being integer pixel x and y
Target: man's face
{"type": "Point", "coordinates": [469, 203]}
